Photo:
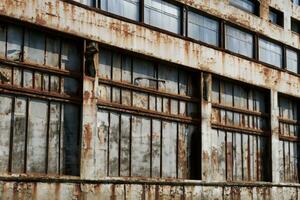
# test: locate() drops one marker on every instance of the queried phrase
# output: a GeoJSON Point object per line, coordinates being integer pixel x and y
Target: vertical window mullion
{"type": "Point", "coordinates": [222, 34]}
{"type": "Point", "coordinates": [142, 10]}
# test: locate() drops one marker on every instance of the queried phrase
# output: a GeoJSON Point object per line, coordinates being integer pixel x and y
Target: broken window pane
{"type": "Point", "coordinates": [5, 74]}
{"type": "Point", "coordinates": [71, 86]}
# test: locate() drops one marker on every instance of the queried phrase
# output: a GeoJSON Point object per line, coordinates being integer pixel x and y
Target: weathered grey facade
{"type": "Point", "coordinates": [149, 99]}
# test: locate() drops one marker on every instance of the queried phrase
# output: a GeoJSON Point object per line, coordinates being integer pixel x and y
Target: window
{"type": "Point", "coordinates": [124, 8]}
{"type": "Point", "coordinates": [270, 52]}
{"type": "Point", "coordinates": [296, 2]}
{"type": "Point", "coordinates": [203, 28]}
{"type": "Point", "coordinates": [162, 14]}
{"type": "Point", "coordinates": [152, 109]}
{"type": "Point", "coordinates": [40, 124]}
{"type": "Point", "coordinates": [289, 146]}
{"type": "Point", "coordinates": [276, 17]}
{"type": "Point", "coordinates": [87, 2]}
{"type": "Point", "coordinates": [292, 60]}
{"type": "Point", "coordinates": [295, 25]}
{"type": "Point", "coordinates": [250, 6]}
{"type": "Point", "coordinates": [238, 41]}
{"type": "Point", "coordinates": [241, 131]}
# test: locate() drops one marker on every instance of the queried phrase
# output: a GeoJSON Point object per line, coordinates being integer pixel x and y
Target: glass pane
{"type": "Point", "coordinates": [292, 60]}
{"type": "Point", "coordinates": [238, 41]}
{"type": "Point", "coordinates": [246, 5]}
{"type": "Point", "coordinates": [52, 52]}
{"type": "Point", "coordinates": [163, 15]}
{"type": "Point", "coordinates": [124, 8]}
{"type": "Point", "coordinates": [270, 53]}
{"type": "Point", "coordinates": [34, 47]}
{"type": "Point", "coordinates": [70, 57]}
{"type": "Point", "coordinates": [203, 29]}
{"type": "Point", "coordinates": [14, 42]}
{"type": "Point", "coordinates": [71, 139]}
{"type": "Point", "coordinates": [2, 40]}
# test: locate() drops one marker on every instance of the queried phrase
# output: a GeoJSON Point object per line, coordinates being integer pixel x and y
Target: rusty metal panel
{"type": "Point", "coordinates": [6, 103]}
{"type": "Point", "coordinates": [5, 74]}
{"type": "Point", "coordinates": [134, 191]}
{"type": "Point", "coordinates": [140, 146]}
{"type": "Point", "coordinates": [34, 47]}
{"type": "Point", "coordinates": [37, 133]}
{"type": "Point", "coordinates": [169, 150]}
{"type": "Point", "coordinates": [19, 137]}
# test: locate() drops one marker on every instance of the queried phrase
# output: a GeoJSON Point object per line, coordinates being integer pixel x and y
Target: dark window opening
{"type": "Point", "coordinates": [295, 25]}
{"type": "Point", "coordinates": [276, 17]}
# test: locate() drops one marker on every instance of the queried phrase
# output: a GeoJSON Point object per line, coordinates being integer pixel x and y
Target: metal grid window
{"type": "Point", "coordinates": [162, 14]}
{"type": "Point", "coordinates": [289, 146]}
{"type": "Point", "coordinates": [270, 52]}
{"type": "Point", "coordinates": [239, 41]}
{"type": "Point", "coordinates": [203, 28]}
{"type": "Point", "coordinates": [241, 132]}
{"type": "Point", "coordinates": [292, 60]}
{"type": "Point", "coordinates": [147, 115]}
{"type": "Point", "coordinates": [247, 5]}
{"type": "Point", "coordinates": [39, 102]}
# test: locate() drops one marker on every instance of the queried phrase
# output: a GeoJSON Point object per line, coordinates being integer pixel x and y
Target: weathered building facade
{"type": "Point", "coordinates": [149, 99]}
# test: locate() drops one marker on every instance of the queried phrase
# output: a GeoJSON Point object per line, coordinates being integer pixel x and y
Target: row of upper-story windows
{"type": "Point", "coordinates": [188, 22]}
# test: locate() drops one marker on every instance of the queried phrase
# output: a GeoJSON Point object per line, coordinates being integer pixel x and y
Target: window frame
{"type": "Point", "coordinates": [279, 17]}
{"type": "Point", "coordinates": [256, 7]}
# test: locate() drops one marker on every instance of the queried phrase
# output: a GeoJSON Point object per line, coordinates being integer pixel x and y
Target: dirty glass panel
{"type": "Point", "coordinates": [70, 56]}
{"type": "Point", "coordinates": [125, 145]}
{"type": "Point", "coordinates": [292, 60]}
{"type": "Point", "coordinates": [14, 42]}
{"type": "Point", "coordinates": [5, 126]}
{"type": "Point", "coordinates": [19, 138]}
{"type": "Point", "coordinates": [246, 5]}
{"type": "Point", "coordinates": [105, 64]}
{"type": "Point", "coordinates": [124, 8]}
{"type": "Point", "coordinates": [71, 139]}
{"type": "Point", "coordinates": [34, 47]}
{"type": "Point", "coordinates": [239, 41]}
{"type": "Point", "coordinates": [54, 83]}
{"type": "Point", "coordinates": [163, 15]}
{"type": "Point", "coordinates": [203, 28]}
{"type": "Point", "coordinates": [17, 77]}
{"type": "Point", "coordinates": [5, 74]}
{"type": "Point", "coordinates": [140, 146]}
{"type": "Point", "coordinates": [88, 2]}
{"type": "Point", "coordinates": [143, 73]}
{"type": "Point", "coordinates": [126, 69]}
{"type": "Point", "coordinates": [71, 86]}
{"type": "Point", "coordinates": [54, 136]}
{"type": "Point", "coordinates": [37, 80]}
{"type": "Point", "coordinates": [27, 79]}
{"type": "Point", "coordinates": [168, 77]}
{"type": "Point", "coordinates": [270, 53]}
{"type": "Point", "coordinates": [37, 135]}
{"type": "Point", "coordinates": [2, 40]}
{"type": "Point", "coordinates": [114, 138]}
{"type": "Point", "coordinates": [52, 51]}
{"type": "Point", "coordinates": [169, 148]}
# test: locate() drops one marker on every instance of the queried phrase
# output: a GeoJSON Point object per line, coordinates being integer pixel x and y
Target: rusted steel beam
{"type": "Point", "coordinates": [40, 68]}
{"type": "Point", "coordinates": [145, 112]}
{"type": "Point", "coordinates": [38, 94]}
{"type": "Point", "coordinates": [148, 90]}
{"type": "Point", "coordinates": [289, 138]}
{"type": "Point", "coordinates": [289, 121]}
{"type": "Point", "coordinates": [239, 129]}
{"type": "Point", "coordinates": [243, 111]}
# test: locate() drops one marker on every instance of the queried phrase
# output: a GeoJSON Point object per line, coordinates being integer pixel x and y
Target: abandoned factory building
{"type": "Point", "coordinates": [150, 99]}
